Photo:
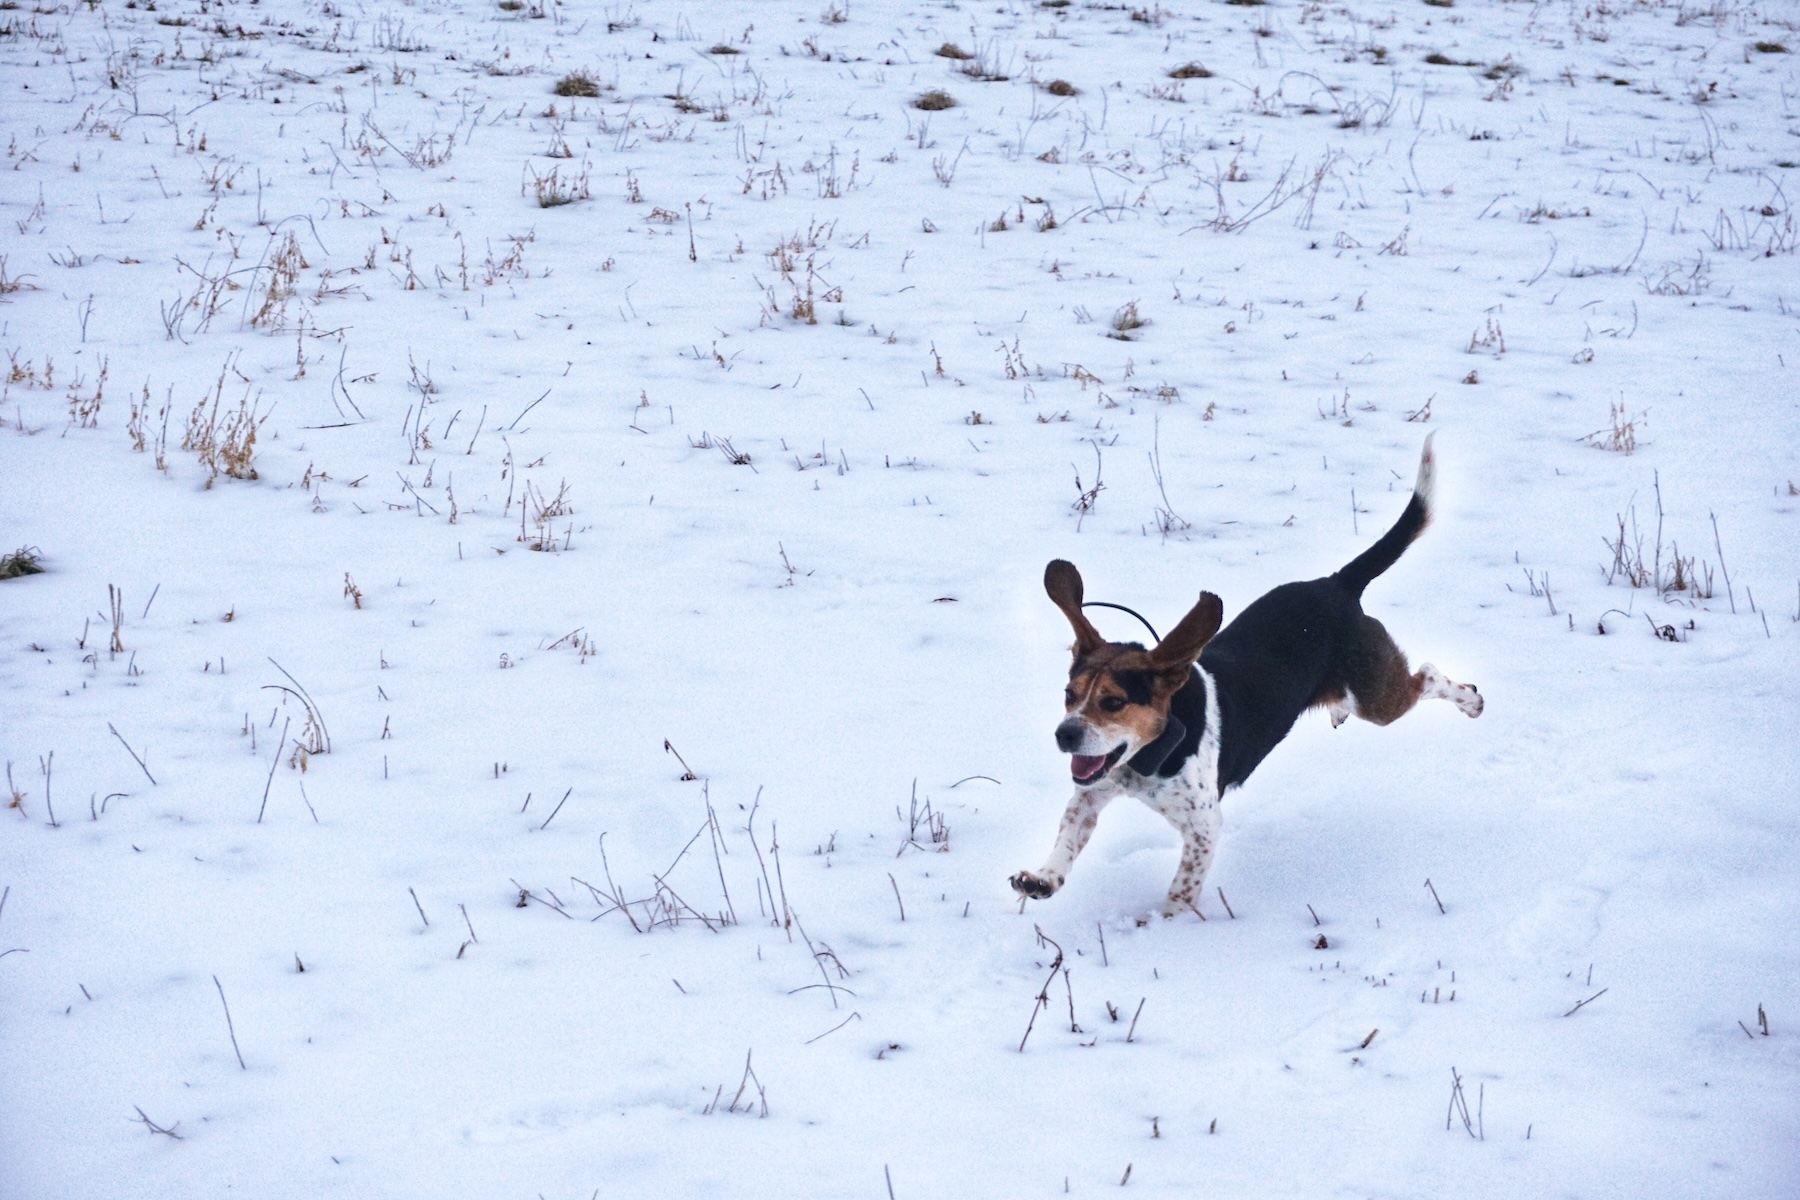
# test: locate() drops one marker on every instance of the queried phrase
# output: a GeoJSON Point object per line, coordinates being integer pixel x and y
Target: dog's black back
{"type": "Point", "coordinates": [1289, 650]}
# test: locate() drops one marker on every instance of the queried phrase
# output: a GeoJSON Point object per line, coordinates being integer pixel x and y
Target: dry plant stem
{"type": "Point", "coordinates": [749, 826]}
{"type": "Point", "coordinates": [229, 1028]}
{"type": "Point", "coordinates": [891, 880]}
{"type": "Point", "coordinates": [718, 845]}
{"type": "Point", "coordinates": [44, 766]}
{"type": "Point", "coordinates": [616, 896]}
{"type": "Point", "coordinates": [855, 1016]}
{"type": "Point", "coordinates": [664, 885]}
{"type": "Point", "coordinates": [749, 1078]}
{"type": "Point", "coordinates": [1729, 593]}
{"type": "Point", "coordinates": [116, 599]}
{"type": "Point", "coordinates": [687, 772]}
{"type": "Point", "coordinates": [819, 956]}
{"type": "Point", "coordinates": [1459, 1107]}
{"type": "Point", "coordinates": [1434, 897]}
{"type": "Point", "coordinates": [1043, 997]}
{"type": "Point", "coordinates": [153, 1127]}
{"type": "Point", "coordinates": [133, 753]}
{"type": "Point", "coordinates": [787, 912]}
{"type": "Point", "coordinates": [557, 809]}
{"type": "Point", "coordinates": [420, 907]}
{"type": "Point", "coordinates": [1578, 1007]}
{"type": "Point", "coordinates": [1129, 1033]}
{"type": "Point", "coordinates": [312, 709]}
{"type": "Point", "coordinates": [273, 763]}
{"type": "Point", "coordinates": [526, 894]}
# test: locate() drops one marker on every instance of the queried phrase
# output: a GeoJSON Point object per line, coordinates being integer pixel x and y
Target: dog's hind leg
{"type": "Point", "coordinates": [1385, 689]}
{"type": "Point", "coordinates": [1434, 686]}
{"type": "Point", "coordinates": [1077, 826]}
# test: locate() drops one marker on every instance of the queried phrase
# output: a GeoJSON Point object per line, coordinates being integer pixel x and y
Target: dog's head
{"type": "Point", "coordinates": [1117, 701]}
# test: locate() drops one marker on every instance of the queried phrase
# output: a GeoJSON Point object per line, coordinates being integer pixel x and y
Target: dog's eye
{"type": "Point", "coordinates": [1111, 703]}
{"type": "Point", "coordinates": [1068, 695]}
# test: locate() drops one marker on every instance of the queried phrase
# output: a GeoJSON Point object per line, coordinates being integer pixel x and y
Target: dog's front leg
{"type": "Point", "coordinates": [1078, 823]}
{"type": "Point", "coordinates": [1196, 817]}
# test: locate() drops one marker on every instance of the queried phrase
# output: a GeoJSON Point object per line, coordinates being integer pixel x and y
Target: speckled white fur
{"type": "Point", "coordinates": [1188, 800]}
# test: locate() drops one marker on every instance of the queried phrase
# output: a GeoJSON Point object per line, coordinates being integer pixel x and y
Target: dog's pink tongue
{"type": "Point", "coordinates": [1086, 766]}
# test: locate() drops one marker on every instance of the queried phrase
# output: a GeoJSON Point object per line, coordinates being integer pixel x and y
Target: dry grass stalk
{"type": "Point", "coordinates": [1126, 322]}
{"type": "Point", "coordinates": [84, 411]}
{"type": "Point", "coordinates": [284, 276]}
{"type": "Point", "coordinates": [224, 443]}
{"type": "Point", "coordinates": [1621, 437]}
{"type": "Point", "coordinates": [26, 560]}
{"type": "Point", "coordinates": [577, 83]}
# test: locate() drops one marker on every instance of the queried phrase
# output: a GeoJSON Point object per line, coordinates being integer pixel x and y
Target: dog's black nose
{"type": "Point", "coordinates": [1068, 736]}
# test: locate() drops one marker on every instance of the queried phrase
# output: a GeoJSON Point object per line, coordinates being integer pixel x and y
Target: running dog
{"type": "Point", "coordinates": [1178, 725]}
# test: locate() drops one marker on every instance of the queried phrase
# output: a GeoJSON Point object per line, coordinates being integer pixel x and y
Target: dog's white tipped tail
{"type": "Point", "coordinates": [1427, 473]}
{"type": "Point", "coordinates": [1384, 553]}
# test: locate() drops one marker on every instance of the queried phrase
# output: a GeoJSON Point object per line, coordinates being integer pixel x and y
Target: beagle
{"type": "Point", "coordinates": [1179, 724]}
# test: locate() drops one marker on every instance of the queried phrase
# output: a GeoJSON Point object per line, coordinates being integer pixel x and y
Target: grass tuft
{"type": "Point", "coordinates": [1062, 87]}
{"type": "Point", "coordinates": [1126, 322]}
{"type": "Point", "coordinates": [577, 83]}
{"type": "Point", "coordinates": [936, 100]}
{"type": "Point", "coordinates": [23, 561]}
{"type": "Point", "coordinates": [1191, 70]}
{"type": "Point", "coordinates": [952, 50]}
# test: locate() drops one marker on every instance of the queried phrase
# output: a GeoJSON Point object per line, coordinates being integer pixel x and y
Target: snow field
{"type": "Point", "coordinates": [757, 447]}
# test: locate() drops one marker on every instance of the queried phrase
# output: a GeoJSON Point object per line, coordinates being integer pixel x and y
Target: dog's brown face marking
{"type": "Point", "coordinates": [1116, 703]}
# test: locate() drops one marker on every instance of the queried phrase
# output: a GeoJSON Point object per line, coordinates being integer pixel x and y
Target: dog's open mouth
{"type": "Point", "coordinates": [1086, 768]}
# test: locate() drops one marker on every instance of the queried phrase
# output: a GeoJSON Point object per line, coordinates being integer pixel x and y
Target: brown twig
{"type": "Point", "coordinates": [229, 1028]}
{"type": "Point", "coordinates": [1043, 997]}
{"type": "Point", "coordinates": [153, 1127]}
{"type": "Point", "coordinates": [1588, 1001]}
{"type": "Point", "coordinates": [557, 809]}
{"type": "Point", "coordinates": [687, 772]}
{"type": "Point", "coordinates": [273, 763]}
{"type": "Point", "coordinates": [133, 753]}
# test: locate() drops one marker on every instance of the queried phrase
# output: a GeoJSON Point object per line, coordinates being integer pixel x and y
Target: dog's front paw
{"type": "Point", "coordinates": [1027, 884]}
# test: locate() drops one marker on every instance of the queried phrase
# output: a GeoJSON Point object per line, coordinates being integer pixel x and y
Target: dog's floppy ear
{"type": "Point", "coordinates": [1182, 646]}
{"type": "Point", "coordinates": [1063, 583]}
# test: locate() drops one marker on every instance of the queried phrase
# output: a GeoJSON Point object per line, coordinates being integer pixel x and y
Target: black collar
{"type": "Point", "coordinates": [1151, 758]}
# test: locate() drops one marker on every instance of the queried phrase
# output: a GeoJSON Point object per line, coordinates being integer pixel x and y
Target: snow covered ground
{"type": "Point", "coordinates": [681, 545]}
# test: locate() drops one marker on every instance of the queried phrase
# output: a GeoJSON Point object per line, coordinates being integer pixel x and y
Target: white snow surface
{"type": "Point", "coordinates": [541, 493]}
